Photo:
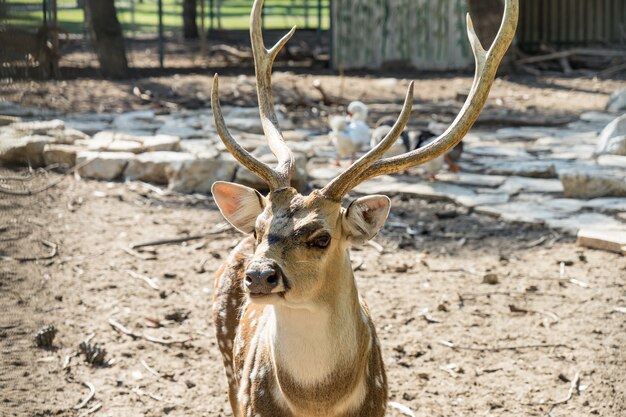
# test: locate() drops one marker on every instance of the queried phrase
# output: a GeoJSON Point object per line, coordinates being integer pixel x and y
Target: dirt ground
{"type": "Point", "coordinates": [453, 344]}
{"type": "Point", "coordinates": [521, 340]}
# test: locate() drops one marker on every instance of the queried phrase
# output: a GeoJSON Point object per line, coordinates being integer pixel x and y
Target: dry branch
{"type": "Point", "coordinates": [501, 348]}
{"type": "Point", "coordinates": [92, 393]}
{"type": "Point", "coordinates": [158, 242]}
{"type": "Point", "coordinates": [147, 280]}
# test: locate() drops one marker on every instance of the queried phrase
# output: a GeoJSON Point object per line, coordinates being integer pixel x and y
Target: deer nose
{"type": "Point", "coordinates": [262, 278]}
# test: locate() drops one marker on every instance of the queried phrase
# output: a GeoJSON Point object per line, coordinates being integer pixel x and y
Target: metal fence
{"type": "Point", "coordinates": [153, 29]}
{"type": "Point", "coordinates": [565, 23]}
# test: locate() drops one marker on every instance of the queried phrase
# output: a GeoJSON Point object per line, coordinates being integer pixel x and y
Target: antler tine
{"type": "Point", "coordinates": [486, 67]}
{"type": "Point", "coordinates": [243, 156]}
{"type": "Point", "coordinates": [263, 60]}
{"type": "Point", "coordinates": [348, 179]}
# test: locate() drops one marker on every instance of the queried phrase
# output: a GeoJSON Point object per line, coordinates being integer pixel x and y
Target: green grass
{"type": "Point", "coordinates": [235, 15]}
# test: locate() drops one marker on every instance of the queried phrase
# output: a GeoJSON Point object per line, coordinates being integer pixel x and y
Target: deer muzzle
{"type": "Point", "coordinates": [263, 278]}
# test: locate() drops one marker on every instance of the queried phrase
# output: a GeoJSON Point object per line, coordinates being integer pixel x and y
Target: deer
{"type": "Point", "coordinates": [295, 336]}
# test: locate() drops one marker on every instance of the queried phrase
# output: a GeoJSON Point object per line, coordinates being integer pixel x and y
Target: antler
{"type": "Point", "coordinates": [263, 59]}
{"type": "Point", "coordinates": [486, 67]}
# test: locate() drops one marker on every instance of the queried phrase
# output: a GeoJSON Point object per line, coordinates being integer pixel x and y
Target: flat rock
{"type": "Point", "coordinates": [102, 165]}
{"type": "Point", "coordinates": [522, 133]}
{"type": "Point", "coordinates": [428, 190]}
{"type": "Point", "coordinates": [533, 169]}
{"type": "Point", "coordinates": [520, 211]}
{"type": "Point", "coordinates": [7, 120]}
{"type": "Point", "coordinates": [116, 145]}
{"type": "Point", "coordinates": [591, 184]}
{"type": "Point", "coordinates": [572, 224]}
{"type": "Point", "coordinates": [618, 161]}
{"type": "Point", "coordinates": [60, 154]}
{"type": "Point", "coordinates": [177, 128]}
{"type": "Point", "coordinates": [142, 119]}
{"type": "Point", "coordinates": [607, 204]}
{"type": "Point", "coordinates": [249, 125]}
{"type": "Point", "coordinates": [38, 127]}
{"type": "Point", "coordinates": [161, 143]}
{"type": "Point", "coordinates": [9, 108]}
{"type": "Point", "coordinates": [198, 175]}
{"type": "Point", "coordinates": [156, 167]}
{"type": "Point", "coordinates": [482, 199]}
{"type": "Point", "coordinates": [603, 239]}
{"type": "Point", "coordinates": [597, 117]}
{"type": "Point", "coordinates": [25, 150]}
{"type": "Point", "coordinates": [514, 185]}
{"type": "Point", "coordinates": [504, 151]}
{"type": "Point", "coordinates": [67, 136]}
{"type": "Point", "coordinates": [199, 146]}
{"type": "Point", "coordinates": [474, 180]}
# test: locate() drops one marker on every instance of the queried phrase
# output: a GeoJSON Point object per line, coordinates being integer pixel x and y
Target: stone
{"type": "Point", "coordinates": [498, 151]}
{"type": "Point", "coordinates": [102, 165]}
{"type": "Point", "coordinates": [482, 199]}
{"type": "Point", "coordinates": [68, 136]}
{"type": "Point", "coordinates": [180, 130]}
{"type": "Point", "coordinates": [25, 150]}
{"type": "Point", "coordinates": [60, 154]}
{"type": "Point", "coordinates": [521, 133]}
{"type": "Point", "coordinates": [572, 224]}
{"type": "Point", "coordinates": [7, 120]}
{"type": "Point", "coordinates": [299, 135]}
{"type": "Point", "coordinates": [612, 139]}
{"type": "Point", "coordinates": [161, 143]}
{"type": "Point", "coordinates": [110, 136]}
{"type": "Point", "coordinates": [198, 175]}
{"type": "Point", "coordinates": [9, 108]}
{"type": "Point", "coordinates": [607, 204]}
{"type": "Point", "coordinates": [299, 180]}
{"type": "Point", "coordinates": [597, 117]}
{"type": "Point", "coordinates": [249, 125]}
{"type": "Point", "coordinates": [198, 146]}
{"type": "Point", "coordinates": [474, 180]}
{"type": "Point", "coordinates": [89, 125]}
{"type": "Point", "coordinates": [617, 161]}
{"type": "Point", "coordinates": [156, 167]}
{"type": "Point", "coordinates": [617, 101]}
{"type": "Point", "coordinates": [591, 184]}
{"type": "Point", "coordinates": [38, 127]}
{"type": "Point", "coordinates": [520, 211]}
{"type": "Point", "coordinates": [514, 185]}
{"type": "Point", "coordinates": [117, 145]}
{"type": "Point", "coordinates": [136, 120]}
{"type": "Point", "coordinates": [603, 239]}
{"type": "Point", "coordinates": [533, 169]}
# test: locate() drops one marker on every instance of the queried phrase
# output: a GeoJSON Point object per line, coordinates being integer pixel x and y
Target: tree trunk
{"type": "Point", "coordinates": [106, 36]}
{"type": "Point", "coordinates": [486, 15]}
{"type": "Point", "coordinates": [190, 27]}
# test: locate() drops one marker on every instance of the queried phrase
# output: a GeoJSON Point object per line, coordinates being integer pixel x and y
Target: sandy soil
{"type": "Point", "coordinates": [521, 340]}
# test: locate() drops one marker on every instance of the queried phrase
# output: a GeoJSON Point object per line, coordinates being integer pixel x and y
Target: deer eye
{"type": "Point", "coordinates": [321, 241]}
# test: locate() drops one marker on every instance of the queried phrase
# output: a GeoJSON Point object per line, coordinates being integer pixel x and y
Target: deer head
{"type": "Point", "coordinates": [296, 261]}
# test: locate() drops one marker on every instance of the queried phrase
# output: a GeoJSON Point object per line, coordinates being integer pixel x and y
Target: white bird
{"type": "Point", "coordinates": [350, 134]}
{"type": "Point", "coordinates": [383, 127]}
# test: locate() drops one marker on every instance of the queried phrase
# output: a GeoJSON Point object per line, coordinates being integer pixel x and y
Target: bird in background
{"type": "Point", "coordinates": [452, 157]}
{"type": "Point", "coordinates": [383, 127]}
{"type": "Point", "coordinates": [350, 134]}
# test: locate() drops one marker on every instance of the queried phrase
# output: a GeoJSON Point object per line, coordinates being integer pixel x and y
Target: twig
{"type": "Point", "coordinates": [48, 186]}
{"type": "Point", "coordinates": [164, 341]}
{"type": "Point", "coordinates": [68, 359]}
{"type": "Point", "coordinates": [220, 229]}
{"type": "Point", "coordinates": [54, 250]}
{"type": "Point", "coordinates": [119, 327]}
{"type": "Point", "coordinates": [501, 348]}
{"type": "Point", "coordinates": [147, 280]}
{"type": "Point", "coordinates": [430, 269]}
{"type": "Point", "coordinates": [535, 242]}
{"type": "Point", "coordinates": [139, 255]}
{"type": "Point", "coordinates": [141, 392]}
{"type": "Point", "coordinates": [149, 369]}
{"type": "Point", "coordinates": [92, 409]}
{"type": "Point", "coordinates": [402, 408]}
{"type": "Point", "coordinates": [92, 393]}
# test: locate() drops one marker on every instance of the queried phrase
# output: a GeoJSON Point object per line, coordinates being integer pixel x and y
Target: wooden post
{"type": "Point", "coordinates": [161, 40]}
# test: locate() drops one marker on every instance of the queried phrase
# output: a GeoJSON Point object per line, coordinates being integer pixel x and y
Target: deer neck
{"type": "Point", "coordinates": [312, 345]}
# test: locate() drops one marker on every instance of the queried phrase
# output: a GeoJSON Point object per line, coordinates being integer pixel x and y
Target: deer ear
{"type": "Point", "coordinates": [240, 205]}
{"type": "Point", "coordinates": [365, 216]}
